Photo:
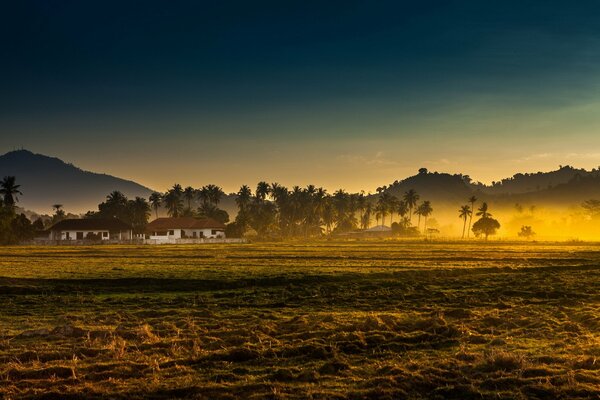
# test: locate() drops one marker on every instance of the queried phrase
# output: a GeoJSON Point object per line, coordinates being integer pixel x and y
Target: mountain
{"type": "Point", "coordinates": [47, 180]}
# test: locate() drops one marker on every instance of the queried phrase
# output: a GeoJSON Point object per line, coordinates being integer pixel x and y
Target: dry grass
{"type": "Point", "coordinates": [325, 320]}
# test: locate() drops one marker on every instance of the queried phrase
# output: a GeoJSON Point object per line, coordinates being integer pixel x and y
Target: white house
{"type": "Point", "coordinates": [171, 230]}
{"type": "Point", "coordinates": [91, 229]}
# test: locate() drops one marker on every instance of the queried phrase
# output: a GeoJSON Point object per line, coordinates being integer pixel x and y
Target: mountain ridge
{"type": "Point", "coordinates": [48, 180]}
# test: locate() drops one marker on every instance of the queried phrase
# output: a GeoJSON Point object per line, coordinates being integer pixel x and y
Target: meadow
{"type": "Point", "coordinates": [339, 320]}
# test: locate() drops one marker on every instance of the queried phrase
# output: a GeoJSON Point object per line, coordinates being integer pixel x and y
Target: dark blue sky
{"type": "Point", "coordinates": [353, 86]}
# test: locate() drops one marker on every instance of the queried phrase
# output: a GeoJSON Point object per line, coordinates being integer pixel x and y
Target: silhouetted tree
{"type": "Point", "coordinates": [156, 200]}
{"type": "Point", "coordinates": [410, 198]}
{"type": "Point", "coordinates": [9, 191]}
{"type": "Point", "coordinates": [472, 201]}
{"type": "Point", "coordinates": [526, 232]}
{"type": "Point", "coordinates": [464, 213]}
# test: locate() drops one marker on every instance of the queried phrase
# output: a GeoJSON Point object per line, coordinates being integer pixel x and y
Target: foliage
{"type": "Point", "coordinates": [485, 226]}
{"type": "Point", "coordinates": [526, 232]}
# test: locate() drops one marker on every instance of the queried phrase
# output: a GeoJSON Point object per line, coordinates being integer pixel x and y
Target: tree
{"type": "Point", "coordinates": [262, 190]}
{"type": "Point", "coordinates": [139, 212]}
{"type": "Point", "coordinates": [410, 198]}
{"type": "Point", "coordinates": [9, 191]}
{"type": "Point", "coordinates": [472, 201]}
{"type": "Point", "coordinates": [425, 210]}
{"type": "Point", "coordinates": [188, 194]}
{"type": "Point", "coordinates": [243, 201]}
{"type": "Point", "coordinates": [156, 200]}
{"type": "Point", "coordinates": [485, 226]}
{"type": "Point", "coordinates": [59, 213]}
{"type": "Point", "coordinates": [591, 207]}
{"type": "Point", "coordinates": [483, 211]}
{"type": "Point", "coordinates": [173, 203]}
{"type": "Point", "coordinates": [526, 232]}
{"type": "Point", "coordinates": [464, 212]}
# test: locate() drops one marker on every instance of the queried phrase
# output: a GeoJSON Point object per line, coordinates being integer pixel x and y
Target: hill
{"type": "Point", "coordinates": [47, 180]}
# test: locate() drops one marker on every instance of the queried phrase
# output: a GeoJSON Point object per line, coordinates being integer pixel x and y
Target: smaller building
{"type": "Point", "coordinates": [94, 229]}
{"type": "Point", "coordinates": [172, 230]}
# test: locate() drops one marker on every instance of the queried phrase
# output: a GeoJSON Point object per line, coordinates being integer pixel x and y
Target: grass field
{"type": "Point", "coordinates": [325, 320]}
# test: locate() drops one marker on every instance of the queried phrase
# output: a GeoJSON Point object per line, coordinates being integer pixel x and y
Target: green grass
{"type": "Point", "coordinates": [291, 320]}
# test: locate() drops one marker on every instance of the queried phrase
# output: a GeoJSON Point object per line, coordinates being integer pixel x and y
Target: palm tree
{"type": "Point", "coordinates": [214, 194]}
{"type": "Point", "coordinates": [483, 211]}
{"type": "Point", "coordinates": [156, 201]}
{"type": "Point", "coordinates": [426, 211]}
{"type": "Point", "coordinates": [173, 203]}
{"type": "Point", "coordinates": [393, 204]}
{"type": "Point", "coordinates": [140, 211]}
{"type": "Point", "coordinates": [365, 219]}
{"type": "Point", "coordinates": [262, 190]}
{"type": "Point", "coordinates": [410, 198]}
{"type": "Point", "coordinates": [188, 194]}
{"type": "Point", "coordinates": [402, 209]}
{"type": "Point", "coordinates": [472, 201]}
{"type": "Point", "coordinates": [244, 195]}
{"type": "Point", "coordinates": [9, 190]}
{"type": "Point", "coordinates": [464, 212]}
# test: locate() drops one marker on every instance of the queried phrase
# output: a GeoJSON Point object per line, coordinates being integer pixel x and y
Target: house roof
{"type": "Point", "coordinates": [91, 224]}
{"type": "Point", "coordinates": [162, 224]}
{"type": "Point", "coordinates": [379, 228]}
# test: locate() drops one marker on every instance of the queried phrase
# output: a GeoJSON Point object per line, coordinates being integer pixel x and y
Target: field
{"type": "Point", "coordinates": [289, 320]}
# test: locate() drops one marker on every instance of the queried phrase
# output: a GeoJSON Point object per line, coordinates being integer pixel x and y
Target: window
{"type": "Point", "coordinates": [214, 232]}
{"type": "Point", "coordinates": [104, 234]}
{"type": "Point", "coordinates": [79, 235]}
{"type": "Point", "coordinates": [194, 234]}
{"type": "Point", "coordinates": [171, 233]}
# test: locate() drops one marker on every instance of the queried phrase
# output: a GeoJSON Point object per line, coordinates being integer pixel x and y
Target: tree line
{"type": "Point", "coordinates": [270, 211]}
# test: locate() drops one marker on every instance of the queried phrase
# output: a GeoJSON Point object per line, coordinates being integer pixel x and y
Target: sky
{"type": "Point", "coordinates": [352, 94]}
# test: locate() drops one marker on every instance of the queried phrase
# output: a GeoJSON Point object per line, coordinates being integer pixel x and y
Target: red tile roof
{"type": "Point", "coordinates": [163, 224]}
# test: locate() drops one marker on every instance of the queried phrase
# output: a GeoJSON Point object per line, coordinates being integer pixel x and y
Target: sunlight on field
{"type": "Point", "coordinates": [323, 320]}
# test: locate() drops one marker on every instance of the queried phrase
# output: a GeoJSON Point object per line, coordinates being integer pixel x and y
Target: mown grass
{"type": "Point", "coordinates": [320, 320]}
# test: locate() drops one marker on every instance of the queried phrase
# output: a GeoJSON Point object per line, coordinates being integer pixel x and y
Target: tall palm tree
{"type": "Point", "coordinates": [426, 211]}
{"type": "Point", "coordinates": [156, 201]}
{"type": "Point", "coordinates": [472, 201]}
{"type": "Point", "coordinates": [188, 194]}
{"type": "Point", "coordinates": [214, 193]}
{"type": "Point", "coordinates": [173, 203]}
{"type": "Point", "coordinates": [464, 212]}
{"type": "Point", "coordinates": [9, 190]}
{"type": "Point", "coordinates": [402, 209]}
{"type": "Point", "coordinates": [410, 198]}
{"type": "Point", "coordinates": [244, 196]}
{"type": "Point", "coordinates": [365, 220]}
{"type": "Point", "coordinates": [140, 211]}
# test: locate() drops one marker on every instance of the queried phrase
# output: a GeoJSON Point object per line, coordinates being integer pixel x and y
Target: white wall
{"type": "Point", "coordinates": [125, 235]}
{"type": "Point", "coordinates": [189, 234]}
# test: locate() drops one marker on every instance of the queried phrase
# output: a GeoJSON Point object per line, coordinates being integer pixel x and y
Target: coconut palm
{"type": "Point", "coordinates": [472, 201]}
{"type": "Point", "coordinates": [173, 203]}
{"type": "Point", "coordinates": [410, 198]}
{"type": "Point", "coordinates": [156, 201]}
{"type": "Point", "coordinates": [140, 211]}
{"type": "Point", "coordinates": [426, 211]}
{"type": "Point", "coordinates": [483, 211]}
{"type": "Point", "coordinates": [188, 194]}
{"type": "Point", "coordinates": [9, 190]}
{"type": "Point", "coordinates": [262, 190]}
{"type": "Point", "coordinates": [464, 212]}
